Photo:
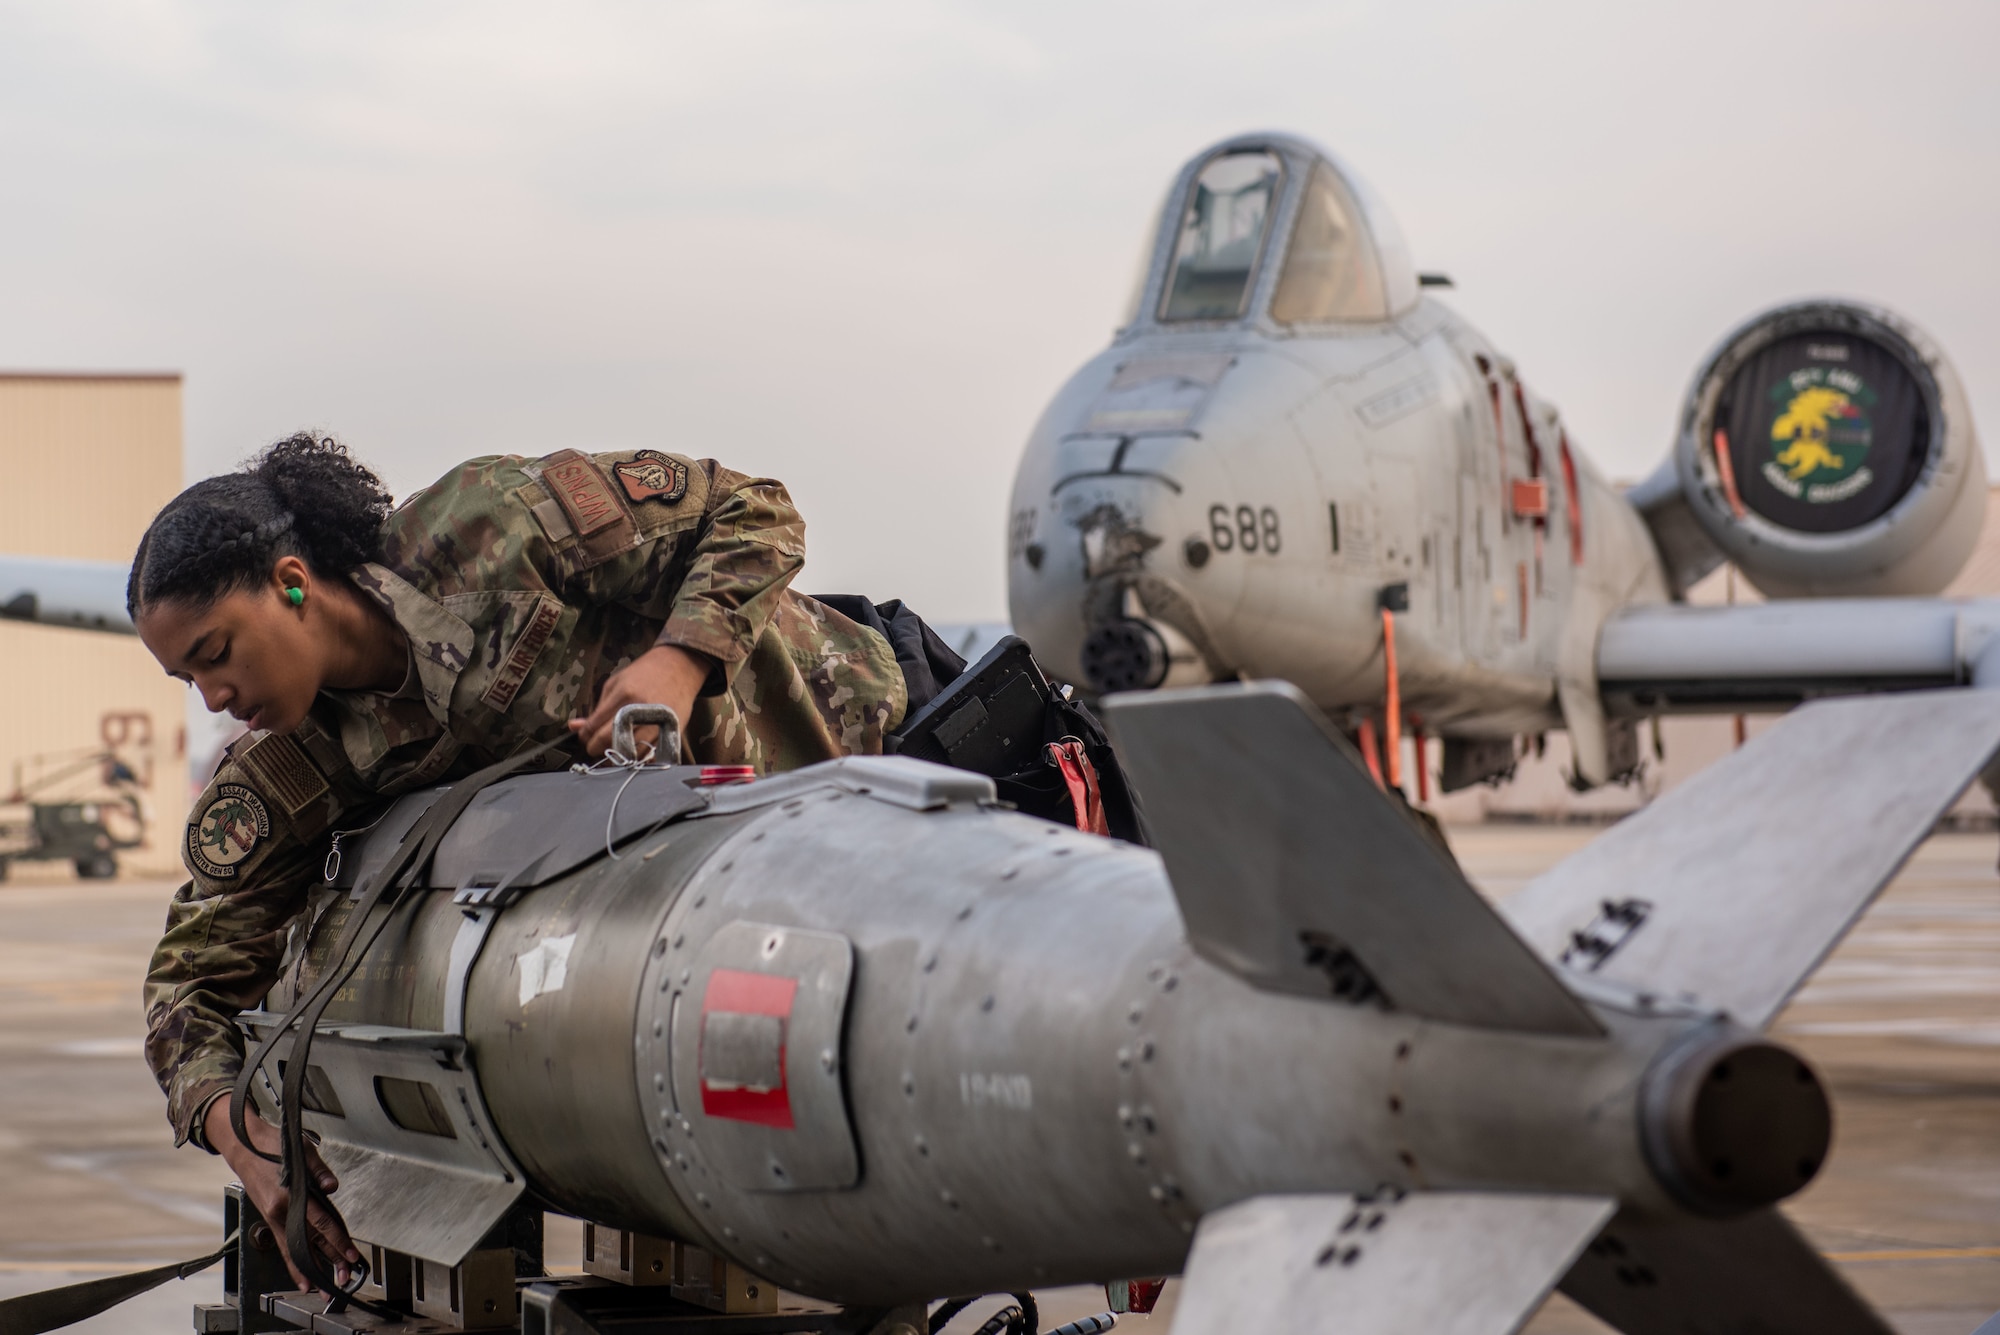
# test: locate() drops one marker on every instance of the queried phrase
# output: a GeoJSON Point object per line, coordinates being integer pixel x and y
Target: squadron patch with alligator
{"type": "Point", "coordinates": [1820, 434]}
{"type": "Point", "coordinates": [227, 831]}
{"type": "Point", "coordinates": [652, 476]}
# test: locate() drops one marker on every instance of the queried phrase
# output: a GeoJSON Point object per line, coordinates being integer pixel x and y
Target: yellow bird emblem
{"type": "Point", "coordinates": [1805, 423]}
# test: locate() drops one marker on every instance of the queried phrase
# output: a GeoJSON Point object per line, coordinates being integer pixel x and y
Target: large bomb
{"type": "Point", "coordinates": [876, 1038]}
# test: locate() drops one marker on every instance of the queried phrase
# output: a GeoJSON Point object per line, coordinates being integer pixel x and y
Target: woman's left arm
{"type": "Point", "coordinates": [751, 542]}
{"type": "Point", "coordinates": [718, 585]}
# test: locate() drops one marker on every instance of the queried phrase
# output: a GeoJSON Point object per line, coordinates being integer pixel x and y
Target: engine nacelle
{"type": "Point", "coordinates": [1826, 448]}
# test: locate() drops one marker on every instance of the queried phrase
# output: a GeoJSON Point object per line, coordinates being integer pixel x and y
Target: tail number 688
{"type": "Point", "coordinates": [1244, 529]}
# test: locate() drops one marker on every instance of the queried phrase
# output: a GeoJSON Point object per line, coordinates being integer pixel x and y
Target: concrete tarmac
{"type": "Point", "coordinates": [1903, 1023]}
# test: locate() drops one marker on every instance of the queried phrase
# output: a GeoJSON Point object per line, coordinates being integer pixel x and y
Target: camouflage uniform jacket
{"type": "Point", "coordinates": [522, 585]}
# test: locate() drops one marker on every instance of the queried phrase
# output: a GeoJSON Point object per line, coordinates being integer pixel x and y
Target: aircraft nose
{"type": "Point", "coordinates": [1145, 527]}
{"type": "Point", "coordinates": [1125, 646]}
{"type": "Point", "coordinates": [1104, 586]}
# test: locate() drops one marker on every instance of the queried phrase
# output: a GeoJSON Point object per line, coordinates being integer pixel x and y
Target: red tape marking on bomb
{"type": "Point", "coordinates": [743, 1021]}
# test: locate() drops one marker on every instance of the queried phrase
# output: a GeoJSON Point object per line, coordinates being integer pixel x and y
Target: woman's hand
{"type": "Point", "coordinates": [266, 1189]}
{"type": "Point", "coordinates": [664, 675]}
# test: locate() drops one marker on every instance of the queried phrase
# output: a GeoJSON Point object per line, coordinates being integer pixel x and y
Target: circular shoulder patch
{"type": "Point", "coordinates": [226, 831]}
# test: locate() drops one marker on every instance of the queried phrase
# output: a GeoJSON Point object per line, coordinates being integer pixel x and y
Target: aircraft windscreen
{"type": "Point", "coordinates": [1222, 233]}
{"type": "Point", "coordinates": [1331, 273]}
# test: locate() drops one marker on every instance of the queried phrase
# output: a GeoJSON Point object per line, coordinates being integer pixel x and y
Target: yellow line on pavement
{"type": "Point", "coordinates": [1921, 1254]}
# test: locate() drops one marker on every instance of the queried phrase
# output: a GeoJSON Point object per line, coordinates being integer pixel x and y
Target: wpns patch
{"type": "Point", "coordinates": [227, 831]}
{"type": "Point", "coordinates": [652, 476]}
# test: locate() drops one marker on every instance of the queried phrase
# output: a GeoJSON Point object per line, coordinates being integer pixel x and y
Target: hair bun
{"type": "Point", "coordinates": [304, 496]}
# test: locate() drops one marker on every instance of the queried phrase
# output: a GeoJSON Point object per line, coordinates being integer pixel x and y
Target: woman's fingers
{"type": "Point", "coordinates": [323, 1175]}
{"type": "Point", "coordinates": [273, 1206]}
{"type": "Point", "coordinates": [297, 1278]}
{"type": "Point", "coordinates": [269, 1193]}
{"type": "Point", "coordinates": [326, 1235]}
{"type": "Point", "coordinates": [331, 1241]}
{"type": "Point", "coordinates": [663, 675]}
{"type": "Point", "coordinates": [596, 740]}
{"type": "Point", "coordinates": [332, 1233]}
{"type": "Point", "coordinates": [595, 727]}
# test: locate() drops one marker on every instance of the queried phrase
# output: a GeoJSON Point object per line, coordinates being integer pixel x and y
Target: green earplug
{"type": "Point", "coordinates": [297, 595]}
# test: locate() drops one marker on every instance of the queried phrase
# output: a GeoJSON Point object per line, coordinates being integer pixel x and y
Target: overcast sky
{"type": "Point", "coordinates": [858, 243]}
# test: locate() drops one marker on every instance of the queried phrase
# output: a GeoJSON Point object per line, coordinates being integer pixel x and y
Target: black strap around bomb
{"type": "Point", "coordinates": [404, 869]}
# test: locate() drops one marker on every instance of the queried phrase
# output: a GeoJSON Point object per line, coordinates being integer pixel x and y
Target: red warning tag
{"type": "Point", "coordinates": [743, 1021]}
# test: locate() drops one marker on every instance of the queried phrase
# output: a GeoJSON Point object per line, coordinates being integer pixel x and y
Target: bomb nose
{"type": "Point", "coordinates": [1732, 1122]}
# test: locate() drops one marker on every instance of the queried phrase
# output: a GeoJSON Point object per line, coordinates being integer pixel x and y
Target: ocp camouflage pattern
{"type": "Point", "coordinates": [522, 584]}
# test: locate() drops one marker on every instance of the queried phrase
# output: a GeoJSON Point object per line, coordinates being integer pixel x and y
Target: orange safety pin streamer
{"type": "Point", "coordinates": [1080, 776]}
{"type": "Point", "coordinates": [1393, 729]}
{"type": "Point", "coordinates": [1572, 501]}
{"type": "Point", "coordinates": [1726, 470]}
{"type": "Point", "coordinates": [1365, 735]}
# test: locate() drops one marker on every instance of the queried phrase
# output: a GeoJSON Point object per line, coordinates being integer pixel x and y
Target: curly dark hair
{"type": "Point", "coordinates": [304, 496]}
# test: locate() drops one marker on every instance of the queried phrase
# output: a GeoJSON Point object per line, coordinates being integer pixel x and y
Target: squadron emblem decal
{"type": "Point", "coordinates": [226, 831]}
{"type": "Point", "coordinates": [1820, 434]}
{"type": "Point", "coordinates": [652, 476]}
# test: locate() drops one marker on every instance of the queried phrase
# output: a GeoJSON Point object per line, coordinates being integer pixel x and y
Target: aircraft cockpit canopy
{"type": "Point", "coordinates": [1331, 274]}
{"type": "Point", "coordinates": [1222, 234]}
{"type": "Point", "coordinates": [1252, 206]}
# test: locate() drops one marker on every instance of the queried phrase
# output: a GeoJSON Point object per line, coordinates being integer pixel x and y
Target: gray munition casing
{"type": "Point", "coordinates": [1042, 1081]}
{"type": "Point", "coordinates": [878, 1039]}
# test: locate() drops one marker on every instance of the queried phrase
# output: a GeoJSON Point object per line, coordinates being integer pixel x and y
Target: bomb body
{"type": "Point", "coordinates": [878, 1040]}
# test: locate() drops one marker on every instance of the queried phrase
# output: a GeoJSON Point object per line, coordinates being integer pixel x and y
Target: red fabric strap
{"type": "Point", "coordinates": [1081, 777]}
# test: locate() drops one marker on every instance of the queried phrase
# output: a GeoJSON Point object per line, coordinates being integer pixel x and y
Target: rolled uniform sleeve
{"type": "Point", "coordinates": [751, 543]}
{"type": "Point", "coordinates": [650, 549]}
{"type": "Point", "coordinates": [252, 861]}
{"type": "Point", "coordinates": [709, 557]}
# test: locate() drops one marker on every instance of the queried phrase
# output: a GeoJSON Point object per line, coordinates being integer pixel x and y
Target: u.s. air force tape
{"type": "Point", "coordinates": [527, 648]}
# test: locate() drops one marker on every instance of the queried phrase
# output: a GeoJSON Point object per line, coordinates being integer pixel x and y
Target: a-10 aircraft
{"type": "Point", "coordinates": [1291, 462]}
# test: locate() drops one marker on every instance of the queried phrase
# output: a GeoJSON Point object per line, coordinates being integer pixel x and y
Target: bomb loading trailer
{"type": "Point", "coordinates": [858, 1033]}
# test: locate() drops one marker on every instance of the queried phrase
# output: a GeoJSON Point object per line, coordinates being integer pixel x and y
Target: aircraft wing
{"type": "Point", "coordinates": [1672, 658]}
{"type": "Point", "coordinates": [89, 595]}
